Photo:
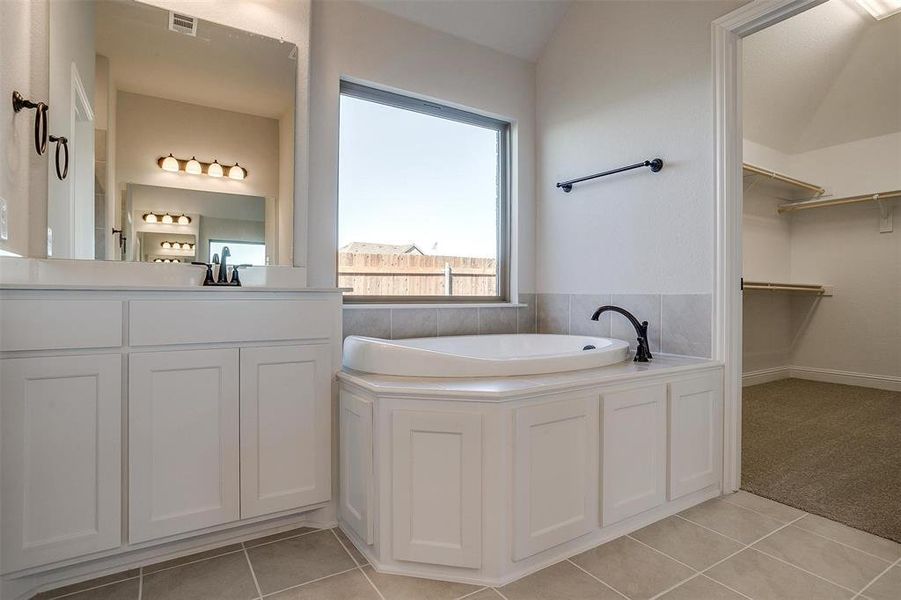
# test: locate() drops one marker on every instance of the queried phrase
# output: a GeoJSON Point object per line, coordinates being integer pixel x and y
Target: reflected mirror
{"type": "Point", "coordinates": [180, 137]}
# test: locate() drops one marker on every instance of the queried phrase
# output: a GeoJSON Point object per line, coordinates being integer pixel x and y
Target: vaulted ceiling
{"type": "Point", "coordinates": [520, 28]}
{"type": "Point", "coordinates": [828, 76]}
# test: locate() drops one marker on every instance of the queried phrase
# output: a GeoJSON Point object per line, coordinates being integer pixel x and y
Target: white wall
{"type": "Point", "coordinates": [621, 82]}
{"type": "Point", "coordinates": [23, 174]}
{"type": "Point", "coordinates": [368, 45]}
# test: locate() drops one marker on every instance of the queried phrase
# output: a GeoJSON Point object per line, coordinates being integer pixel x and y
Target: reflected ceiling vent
{"type": "Point", "coordinates": [180, 23]}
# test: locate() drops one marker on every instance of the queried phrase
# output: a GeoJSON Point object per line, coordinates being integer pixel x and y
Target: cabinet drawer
{"type": "Point", "coordinates": [162, 322]}
{"type": "Point", "coordinates": [60, 324]}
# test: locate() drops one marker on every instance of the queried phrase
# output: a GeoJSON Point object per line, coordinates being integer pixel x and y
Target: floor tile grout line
{"type": "Point", "coordinates": [478, 591]}
{"type": "Point", "coordinates": [728, 587]}
{"type": "Point", "coordinates": [349, 553]}
{"type": "Point", "coordinates": [596, 578]}
{"type": "Point", "coordinates": [782, 560]}
{"type": "Point", "coordinates": [282, 539]}
{"type": "Point", "coordinates": [372, 583]}
{"type": "Point", "coordinates": [845, 544]}
{"type": "Point", "coordinates": [253, 574]}
{"type": "Point", "coordinates": [872, 581]}
{"type": "Point", "coordinates": [306, 583]}
{"type": "Point", "coordinates": [748, 508]}
{"type": "Point", "coordinates": [96, 587]}
{"type": "Point", "coordinates": [140, 582]}
{"type": "Point", "coordinates": [695, 575]}
{"type": "Point", "coordinates": [728, 537]}
{"type": "Point", "coordinates": [192, 562]}
{"type": "Point", "coordinates": [500, 593]}
{"type": "Point", "coordinates": [686, 565]}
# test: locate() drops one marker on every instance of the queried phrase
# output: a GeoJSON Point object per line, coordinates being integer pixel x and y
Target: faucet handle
{"type": "Point", "coordinates": [208, 278]}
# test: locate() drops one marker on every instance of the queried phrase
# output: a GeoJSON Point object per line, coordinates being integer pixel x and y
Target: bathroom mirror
{"type": "Point", "coordinates": [180, 137]}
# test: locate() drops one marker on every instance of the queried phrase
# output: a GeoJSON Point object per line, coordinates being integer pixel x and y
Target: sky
{"type": "Point", "coordinates": [406, 177]}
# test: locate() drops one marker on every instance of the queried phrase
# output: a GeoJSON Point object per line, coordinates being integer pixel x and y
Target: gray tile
{"type": "Point", "coordinates": [553, 313]}
{"type": "Point", "coordinates": [91, 583]}
{"type": "Point", "coordinates": [298, 560]}
{"type": "Point", "coordinates": [561, 581]}
{"type": "Point", "coordinates": [830, 560]}
{"type": "Point", "coordinates": [685, 324]}
{"type": "Point", "coordinates": [369, 322]}
{"type": "Point", "coordinates": [632, 568]}
{"type": "Point", "coordinates": [701, 588]}
{"type": "Point", "coordinates": [224, 578]}
{"type": "Point", "coordinates": [497, 320]}
{"type": "Point", "coordinates": [765, 506]}
{"type": "Point", "coordinates": [764, 578]}
{"type": "Point", "coordinates": [398, 587]}
{"type": "Point", "coordinates": [527, 316]}
{"type": "Point", "coordinates": [732, 521]}
{"type": "Point", "coordinates": [486, 594]}
{"type": "Point", "coordinates": [191, 558]}
{"type": "Point", "coordinates": [458, 321]}
{"type": "Point", "coordinates": [354, 553]}
{"type": "Point", "coordinates": [861, 540]}
{"type": "Point", "coordinates": [413, 322]}
{"type": "Point", "coordinates": [581, 308]}
{"type": "Point", "coordinates": [346, 586]}
{"type": "Point", "coordinates": [279, 536]}
{"type": "Point", "coordinates": [645, 307]}
{"type": "Point", "coordinates": [887, 587]}
{"type": "Point", "coordinates": [695, 546]}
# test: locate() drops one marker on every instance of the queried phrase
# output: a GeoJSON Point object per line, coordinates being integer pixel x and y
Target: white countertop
{"type": "Point", "coordinates": [164, 288]}
{"type": "Point", "coordinates": [497, 389]}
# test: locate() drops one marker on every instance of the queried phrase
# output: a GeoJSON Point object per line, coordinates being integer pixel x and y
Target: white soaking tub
{"type": "Point", "coordinates": [482, 355]}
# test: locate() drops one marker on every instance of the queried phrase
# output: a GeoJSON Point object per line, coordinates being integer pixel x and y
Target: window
{"type": "Point", "coordinates": [240, 253]}
{"type": "Point", "coordinates": [423, 204]}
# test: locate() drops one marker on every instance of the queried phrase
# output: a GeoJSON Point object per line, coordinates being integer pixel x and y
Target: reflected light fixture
{"type": "Point", "coordinates": [167, 219]}
{"type": "Point", "coordinates": [881, 9]}
{"type": "Point", "coordinates": [168, 163]}
{"type": "Point", "coordinates": [150, 218]}
{"type": "Point", "coordinates": [166, 245]}
{"type": "Point", "coordinates": [215, 169]}
{"type": "Point", "coordinates": [184, 220]}
{"type": "Point", "coordinates": [237, 172]}
{"type": "Point", "coordinates": [193, 166]}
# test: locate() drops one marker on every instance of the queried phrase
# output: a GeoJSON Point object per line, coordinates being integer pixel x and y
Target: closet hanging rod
{"type": "Point", "coordinates": [655, 164]}
{"type": "Point", "coordinates": [783, 287]}
{"type": "Point", "coordinates": [819, 191]}
{"type": "Point", "coordinates": [794, 206]}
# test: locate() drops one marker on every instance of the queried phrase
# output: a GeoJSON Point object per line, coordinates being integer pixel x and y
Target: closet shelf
{"type": "Point", "coordinates": [792, 184]}
{"type": "Point", "coordinates": [770, 286]}
{"type": "Point", "coordinates": [879, 197]}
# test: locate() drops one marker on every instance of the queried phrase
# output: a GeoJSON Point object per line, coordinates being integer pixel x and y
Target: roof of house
{"type": "Point", "coordinates": [372, 248]}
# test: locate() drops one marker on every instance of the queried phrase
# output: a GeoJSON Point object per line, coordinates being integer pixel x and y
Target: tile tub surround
{"type": "Point", "coordinates": [689, 556]}
{"type": "Point", "coordinates": [423, 321]}
{"type": "Point", "coordinates": [679, 323]}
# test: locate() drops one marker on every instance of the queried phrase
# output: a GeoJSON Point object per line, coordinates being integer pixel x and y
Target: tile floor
{"type": "Point", "coordinates": [741, 546]}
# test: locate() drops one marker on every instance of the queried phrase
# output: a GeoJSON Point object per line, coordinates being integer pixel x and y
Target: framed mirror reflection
{"type": "Point", "coordinates": [179, 133]}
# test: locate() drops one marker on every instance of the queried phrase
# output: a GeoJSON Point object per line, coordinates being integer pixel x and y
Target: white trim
{"type": "Point", "coordinates": [726, 34]}
{"type": "Point", "coordinates": [420, 305]}
{"type": "Point", "coordinates": [867, 380]}
{"type": "Point", "coordinates": [765, 376]}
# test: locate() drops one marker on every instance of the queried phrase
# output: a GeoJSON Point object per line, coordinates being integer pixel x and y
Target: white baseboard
{"type": "Point", "coordinates": [879, 382]}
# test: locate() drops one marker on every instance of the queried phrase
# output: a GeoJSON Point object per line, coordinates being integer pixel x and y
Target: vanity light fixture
{"type": "Point", "coordinates": [237, 172]}
{"type": "Point", "coordinates": [167, 219]}
{"type": "Point", "coordinates": [150, 218]}
{"type": "Point", "coordinates": [168, 163]}
{"type": "Point", "coordinates": [193, 167]}
{"type": "Point", "coordinates": [215, 169]}
{"type": "Point", "coordinates": [166, 245]}
{"type": "Point", "coordinates": [197, 167]}
{"type": "Point", "coordinates": [881, 9]}
{"type": "Point", "coordinates": [184, 220]}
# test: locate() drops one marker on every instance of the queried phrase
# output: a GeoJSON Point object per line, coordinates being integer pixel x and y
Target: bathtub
{"type": "Point", "coordinates": [482, 355]}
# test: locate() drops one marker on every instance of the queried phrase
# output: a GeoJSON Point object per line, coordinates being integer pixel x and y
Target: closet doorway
{"type": "Point", "coordinates": [821, 265]}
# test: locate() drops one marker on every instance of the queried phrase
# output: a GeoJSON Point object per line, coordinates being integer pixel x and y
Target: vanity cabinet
{"type": "Point", "coordinates": [61, 448]}
{"type": "Point", "coordinates": [183, 441]}
{"type": "Point", "coordinates": [695, 434]}
{"type": "Point", "coordinates": [634, 451]}
{"type": "Point", "coordinates": [285, 428]}
{"type": "Point", "coordinates": [355, 464]}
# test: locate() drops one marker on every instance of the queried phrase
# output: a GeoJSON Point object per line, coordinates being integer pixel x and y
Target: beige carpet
{"type": "Point", "coordinates": [832, 450]}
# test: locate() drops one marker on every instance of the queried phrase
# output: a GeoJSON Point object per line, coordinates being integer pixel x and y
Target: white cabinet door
{"type": "Point", "coordinates": [695, 426]}
{"type": "Point", "coordinates": [61, 453]}
{"type": "Point", "coordinates": [183, 441]}
{"type": "Point", "coordinates": [634, 451]}
{"type": "Point", "coordinates": [286, 425]}
{"type": "Point", "coordinates": [555, 473]}
{"type": "Point", "coordinates": [436, 486]}
{"type": "Point", "coordinates": [355, 497]}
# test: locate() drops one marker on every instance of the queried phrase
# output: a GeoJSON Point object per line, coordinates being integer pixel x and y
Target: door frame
{"type": "Point", "coordinates": [726, 35]}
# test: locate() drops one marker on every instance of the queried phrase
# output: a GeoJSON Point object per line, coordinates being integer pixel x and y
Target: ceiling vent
{"type": "Point", "coordinates": [180, 23]}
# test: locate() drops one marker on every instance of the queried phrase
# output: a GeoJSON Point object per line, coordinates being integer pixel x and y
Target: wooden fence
{"type": "Point", "coordinates": [416, 275]}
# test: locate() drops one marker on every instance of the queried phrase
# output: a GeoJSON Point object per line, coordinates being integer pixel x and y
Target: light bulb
{"type": "Point", "coordinates": [193, 167]}
{"type": "Point", "coordinates": [150, 218]}
{"type": "Point", "coordinates": [167, 219]}
{"type": "Point", "coordinates": [236, 172]}
{"type": "Point", "coordinates": [176, 260]}
{"type": "Point", "coordinates": [169, 163]}
{"type": "Point", "coordinates": [184, 220]}
{"type": "Point", "coordinates": [215, 169]}
{"type": "Point", "coordinates": [166, 244]}
{"type": "Point", "coordinates": [157, 260]}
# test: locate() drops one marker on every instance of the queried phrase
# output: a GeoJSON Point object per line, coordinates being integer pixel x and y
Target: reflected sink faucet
{"type": "Point", "coordinates": [643, 352]}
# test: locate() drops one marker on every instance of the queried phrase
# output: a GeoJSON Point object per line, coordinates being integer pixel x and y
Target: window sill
{"type": "Point", "coordinates": [401, 306]}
